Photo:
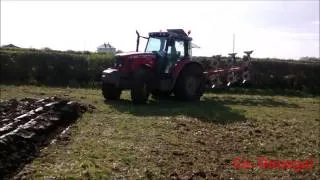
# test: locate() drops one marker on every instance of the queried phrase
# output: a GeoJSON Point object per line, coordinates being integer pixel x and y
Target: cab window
{"type": "Point", "coordinates": [180, 48]}
{"type": "Point", "coordinates": [156, 44]}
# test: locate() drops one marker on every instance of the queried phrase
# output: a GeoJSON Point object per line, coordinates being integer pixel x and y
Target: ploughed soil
{"type": "Point", "coordinates": [27, 125]}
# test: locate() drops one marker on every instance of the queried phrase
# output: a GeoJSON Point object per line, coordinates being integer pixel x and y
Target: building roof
{"type": "Point", "coordinates": [105, 46]}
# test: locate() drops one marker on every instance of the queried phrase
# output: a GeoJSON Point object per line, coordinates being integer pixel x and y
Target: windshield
{"type": "Point", "coordinates": [156, 44]}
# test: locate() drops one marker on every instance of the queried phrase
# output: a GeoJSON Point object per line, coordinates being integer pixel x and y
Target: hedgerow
{"type": "Point", "coordinates": [70, 68]}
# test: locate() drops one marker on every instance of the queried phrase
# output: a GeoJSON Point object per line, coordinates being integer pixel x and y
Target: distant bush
{"type": "Point", "coordinates": [309, 59]}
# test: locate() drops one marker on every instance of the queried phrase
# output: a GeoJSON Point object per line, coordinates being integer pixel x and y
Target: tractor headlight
{"type": "Point", "coordinates": [103, 76]}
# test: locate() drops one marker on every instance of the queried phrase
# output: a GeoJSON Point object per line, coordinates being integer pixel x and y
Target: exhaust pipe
{"type": "Point", "coordinates": [138, 40]}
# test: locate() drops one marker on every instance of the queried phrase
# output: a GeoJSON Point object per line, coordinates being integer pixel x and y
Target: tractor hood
{"type": "Point", "coordinates": [135, 55]}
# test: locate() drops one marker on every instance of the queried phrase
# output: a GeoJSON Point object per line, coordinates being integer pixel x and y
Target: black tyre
{"type": "Point", "coordinates": [190, 84]}
{"type": "Point", "coordinates": [157, 94]}
{"type": "Point", "coordinates": [140, 91]}
{"type": "Point", "coordinates": [111, 92]}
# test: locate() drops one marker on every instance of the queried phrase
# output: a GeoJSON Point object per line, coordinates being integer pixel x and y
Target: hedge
{"type": "Point", "coordinates": [281, 74]}
{"type": "Point", "coordinates": [52, 67]}
{"type": "Point", "coordinates": [58, 68]}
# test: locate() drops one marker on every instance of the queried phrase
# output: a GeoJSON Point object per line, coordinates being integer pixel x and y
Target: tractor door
{"type": "Point", "coordinates": [176, 50]}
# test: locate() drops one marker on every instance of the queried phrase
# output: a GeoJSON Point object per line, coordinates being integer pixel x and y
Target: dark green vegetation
{"type": "Point", "coordinates": [75, 69]}
{"type": "Point", "coordinates": [171, 139]}
{"type": "Point", "coordinates": [283, 74]}
{"type": "Point", "coordinates": [55, 68]}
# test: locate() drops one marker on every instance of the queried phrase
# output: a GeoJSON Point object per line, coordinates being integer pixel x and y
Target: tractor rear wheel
{"type": "Point", "coordinates": [111, 92]}
{"type": "Point", "coordinates": [190, 84]}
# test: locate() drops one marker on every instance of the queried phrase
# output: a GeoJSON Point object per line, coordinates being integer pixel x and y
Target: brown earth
{"type": "Point", "coordinates": [29, 124]}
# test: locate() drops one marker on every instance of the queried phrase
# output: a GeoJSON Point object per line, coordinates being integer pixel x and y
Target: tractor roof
{"type": "Point", "coordinates": [176, 33]}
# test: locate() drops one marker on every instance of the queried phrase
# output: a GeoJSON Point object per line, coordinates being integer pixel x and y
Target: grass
{"type": "Point", "coordinates": [169, 139]}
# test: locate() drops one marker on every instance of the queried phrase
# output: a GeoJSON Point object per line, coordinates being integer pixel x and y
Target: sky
{"type": "Point", "coordinates": [276, 29]}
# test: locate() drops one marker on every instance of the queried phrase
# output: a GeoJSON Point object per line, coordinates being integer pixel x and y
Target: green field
{"type": "Point", "coordinates": [170, 139]}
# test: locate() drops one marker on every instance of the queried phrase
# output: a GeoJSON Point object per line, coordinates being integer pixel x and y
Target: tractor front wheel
{"type": "Point", "coordinates": [111, 92]}
{"type": "Point", "coordinates": [140, 91]}
{"type": "Point", "coordinates": [157, 94]}
{"type": "Point", "coordinates": [190, 84]}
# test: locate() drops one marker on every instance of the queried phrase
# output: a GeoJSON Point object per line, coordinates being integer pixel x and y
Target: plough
{"type": "Point", "coordinates": [232, 72]}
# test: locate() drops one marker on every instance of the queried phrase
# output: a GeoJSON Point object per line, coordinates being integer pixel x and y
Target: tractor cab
{"type": "Point", "coordinates": [169, 47]}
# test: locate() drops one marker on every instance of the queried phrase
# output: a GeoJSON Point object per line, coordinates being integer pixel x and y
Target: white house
{"type": "Point", "coordinates": [107, 48]}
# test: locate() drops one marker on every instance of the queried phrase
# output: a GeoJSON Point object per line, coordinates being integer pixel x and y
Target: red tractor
{"type": "Point", "coordinates": [163, 68]}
